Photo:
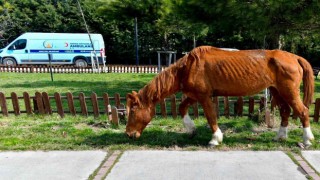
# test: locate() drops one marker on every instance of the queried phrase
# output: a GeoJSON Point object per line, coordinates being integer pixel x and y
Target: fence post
{"type": "Point", "coordinates": [262, 103]}
{"type": "Point", "coordinates": [83, 104]}
{"type": "Point", "coordinates": [115, 116]}
{"type": "Point", "coordinates": [39, 102]}
{"type": "Point", "coordinates": [15, 103]}
{"type": "Point", "coordinates": [27, 103]}
{"type": "Point", "coordinates": [251, 106]}
{"type": "Point", "coordinates": [163, 108]}
{"type": "Point", "coordinates": [95, 105]}
{"type": "Point", "coordinates": [216, 105]}
{"type": "Point", "coordinates": [46, 102]}
{"type": "Point", "coordinates": [316, 110]}
{"type": "Point", "coordinates": [57, 97]}
{"type": "Point", "coordinates": [117, 99]}
{"type": "Point", "coordinates": [226, 106]}
{"type": "Point", "coordinates": [174, 106]}
{"type": "Point", "coordinates": [71, 103]}
{"type": "Point", "coordinates": [239, 110]}
{"type": "Point", "coordinates": [3, 102]}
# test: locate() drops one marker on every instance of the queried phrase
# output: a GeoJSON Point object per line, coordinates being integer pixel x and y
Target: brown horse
{"type": "Point", "coordinates": [208, 71]}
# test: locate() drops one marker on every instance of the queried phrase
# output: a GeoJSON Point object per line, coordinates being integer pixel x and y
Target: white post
{"type": "Point", "coordinates": [92, 62]}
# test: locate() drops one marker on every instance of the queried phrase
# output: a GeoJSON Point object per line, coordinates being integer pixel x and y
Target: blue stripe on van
{"type": "Point", "coordinates": [44, 61]}
{"type": "Point", "coordinates": [60, 51]}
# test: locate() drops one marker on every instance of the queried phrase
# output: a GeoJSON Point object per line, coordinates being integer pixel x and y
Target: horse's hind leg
{"type": "Point", "coordinates": [211, 116]}
{"type": "Point", "coordinates": [285, 111]}
{"type": "Point", "coordinates": [293, 99]}
{"type": "Point", "coordinates": [188, 123]}
{"type": "Point", "coordinates": [303, 113]}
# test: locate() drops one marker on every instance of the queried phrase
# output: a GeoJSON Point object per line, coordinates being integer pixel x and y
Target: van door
{"type": "Point", "coordinates": [18, 51]}
{"type": "Point", "coordinates": [39, 51]}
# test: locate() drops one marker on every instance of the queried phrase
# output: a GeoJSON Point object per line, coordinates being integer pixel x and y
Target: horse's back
{"type": "Point", "coordinates": [241, 72]}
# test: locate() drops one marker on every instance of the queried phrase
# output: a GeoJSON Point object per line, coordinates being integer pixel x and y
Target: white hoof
{"type": "Point", "coordinates": [217, 138]}
{"type": "Point", "coordinates": [282, 134]}
{"type": "Point", "coordinates": [189, 125]}
{"type": "Point", "coordinates": [307, 136]}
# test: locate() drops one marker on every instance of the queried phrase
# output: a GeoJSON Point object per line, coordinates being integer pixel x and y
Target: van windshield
{"type": "Point", "coordinates": [1, 50]}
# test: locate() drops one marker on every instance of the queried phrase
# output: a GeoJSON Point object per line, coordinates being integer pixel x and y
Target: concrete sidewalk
{"type": "Point", "coordinates": [136, 165]}
{"type": "Point", "coordinates": [55, 165]}
{"type": "Point", "coordinates": [158, 165]}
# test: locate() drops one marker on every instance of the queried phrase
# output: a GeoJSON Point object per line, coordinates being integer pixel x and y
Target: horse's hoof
{"type": "Point", "coordinates": [213, 143]}
{"type": "Point", "coordinates": [193, 134]}
{"type": "Point", "coordinates": [307, 143]}
{"type": "Point", "coordinates": [211, 146]}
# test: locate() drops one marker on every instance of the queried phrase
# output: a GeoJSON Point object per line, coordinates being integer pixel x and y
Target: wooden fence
{"type": "Point", "coordinates": [71, 69]}
{"type": "Point", "coordinates": [113, 107]}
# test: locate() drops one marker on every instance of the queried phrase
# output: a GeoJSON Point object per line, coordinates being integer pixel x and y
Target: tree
{"type": "Point", "coordinates": [6, 23]}
{"type": "Point", "coordinates": [291, 25]}
{"type": "Point", "coordinates": [120, 23]}
{"type": "Point", "coordinates": [265, 22]}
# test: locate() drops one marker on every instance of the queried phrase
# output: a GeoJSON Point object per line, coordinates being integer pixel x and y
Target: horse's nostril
{"type": "Point", "coordinates": [128, 134]}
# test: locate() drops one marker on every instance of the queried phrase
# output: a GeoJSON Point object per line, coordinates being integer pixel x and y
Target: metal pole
{"type": "Point", "coordinates": [50, 66]}
{"type": "Point", "coordinates": [159, 63]}
{"type": "Point", "coordinates": [136, 40]}
{"type": "Point", "coordinates": [85, 23]}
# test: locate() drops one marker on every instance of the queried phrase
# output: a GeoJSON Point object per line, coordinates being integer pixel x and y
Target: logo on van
{"type": "Point", "coordinates": [47, 44]}
{"type": "Point", "coordinates": [80, 45]}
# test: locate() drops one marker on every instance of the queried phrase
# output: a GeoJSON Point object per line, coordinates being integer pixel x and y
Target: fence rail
{"type": "Point", "coordinates": [113, 107]}
{"type": "Point", "coordinates": [72, 69]}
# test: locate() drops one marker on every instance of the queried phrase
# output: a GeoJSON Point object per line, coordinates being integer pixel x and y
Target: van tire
{"type": "Point", "coordinates": [81, 63]}
{"type": "Point", "coordinates": [9, 62]}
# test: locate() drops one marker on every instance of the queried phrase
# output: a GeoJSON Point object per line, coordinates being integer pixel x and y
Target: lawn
{"type": "Point", "coordinates": [37, 132]}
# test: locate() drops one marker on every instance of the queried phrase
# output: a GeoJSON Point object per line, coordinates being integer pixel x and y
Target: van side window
{"type": "Point", "coordinates": [19, 44]}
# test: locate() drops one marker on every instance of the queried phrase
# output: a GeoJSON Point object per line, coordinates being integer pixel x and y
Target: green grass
{"type": "Point", "coordinates": [75, 83]}
{"type": "Point", "coordinates": [37, 132]}
{"type": "Point", "coordinates": [79, 133]}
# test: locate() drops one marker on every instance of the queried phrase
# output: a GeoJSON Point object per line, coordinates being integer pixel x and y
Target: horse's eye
{"type": "Point", "coordinates": [133, 108]}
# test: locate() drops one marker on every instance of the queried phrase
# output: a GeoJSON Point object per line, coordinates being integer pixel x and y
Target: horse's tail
{"type": "Point", "coordinates": [308, 81]}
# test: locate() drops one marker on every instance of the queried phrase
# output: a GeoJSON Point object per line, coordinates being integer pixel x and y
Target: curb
{"type": "Point", "coordinates": [306, 167]}
{"type": "Point", "coordinates": [107, 165]}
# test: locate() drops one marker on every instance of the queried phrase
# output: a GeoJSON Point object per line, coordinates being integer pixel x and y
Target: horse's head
{"type": "Point", "coordinates": [138, 115]}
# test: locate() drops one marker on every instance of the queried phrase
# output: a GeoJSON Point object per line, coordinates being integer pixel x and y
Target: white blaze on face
{"type": "Point", "coordinates": [188, 124]}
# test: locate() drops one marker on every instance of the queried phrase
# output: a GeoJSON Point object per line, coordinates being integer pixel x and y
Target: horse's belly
{"type": "Point", "coordinates": [239, 89]}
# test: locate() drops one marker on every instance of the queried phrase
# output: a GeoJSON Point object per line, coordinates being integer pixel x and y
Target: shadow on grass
{"type": "Point", "coordinates": [151, 138]}
{"type": "Point", "coordinates": [157, 139]}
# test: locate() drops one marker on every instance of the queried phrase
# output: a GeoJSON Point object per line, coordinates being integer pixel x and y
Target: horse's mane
{"type": "Point", "coordinates": [164, 84]}
{"type": "Point", "coordinates": [168, 81]}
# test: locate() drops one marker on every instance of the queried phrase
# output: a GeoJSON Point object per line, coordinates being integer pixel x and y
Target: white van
{"type": "Point", "coordinates": [66, 48]}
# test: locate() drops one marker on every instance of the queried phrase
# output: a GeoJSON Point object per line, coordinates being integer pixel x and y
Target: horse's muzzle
{"type": "Point", "coordinates": [133, 135]}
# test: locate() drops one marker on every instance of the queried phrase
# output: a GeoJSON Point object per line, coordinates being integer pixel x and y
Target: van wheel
{"type": "Point", "coordinates": [9, 62]}
{"type": "Point", "coordinates": [81, 63]}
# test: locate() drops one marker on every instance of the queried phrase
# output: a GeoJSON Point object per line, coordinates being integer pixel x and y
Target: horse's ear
{"type": "Point", "coordinates": [132, 98]}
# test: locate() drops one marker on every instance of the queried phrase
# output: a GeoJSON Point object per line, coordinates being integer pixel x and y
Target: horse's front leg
{"type": "Point", "coordinates": [211, 115]}
{"type": "Point", "coordinates": [188, 123]}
